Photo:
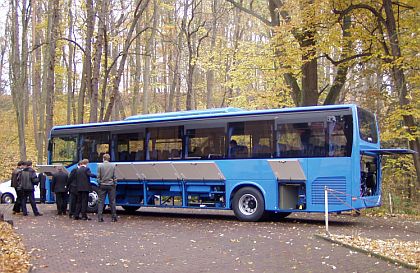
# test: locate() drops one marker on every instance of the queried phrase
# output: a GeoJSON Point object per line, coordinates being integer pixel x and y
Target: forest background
{"type": "Point", "coordinates": [74, 61]}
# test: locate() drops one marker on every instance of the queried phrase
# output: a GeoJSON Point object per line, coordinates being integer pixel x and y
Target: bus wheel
{"type": "Point", "coordinates": [93, 200]}
{"type": "Point", "coordinates": [130, 209]}
{"type": "Point", "coordinates": [248, 204]}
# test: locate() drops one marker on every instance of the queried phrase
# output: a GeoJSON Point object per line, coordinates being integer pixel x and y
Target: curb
{"type": "Point", "coordinates": [382, 257]}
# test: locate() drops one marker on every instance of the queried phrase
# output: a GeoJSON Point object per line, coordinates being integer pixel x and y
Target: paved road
{"type": "Point", "coordinates": [156, 240]}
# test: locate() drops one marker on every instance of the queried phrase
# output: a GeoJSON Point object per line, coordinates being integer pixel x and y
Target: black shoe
{"type": "Point", "coordinates": [70, 216]}
{"type": "Point", "coordinates": [59, 213]}
{"type": "Point", "coordinates": [38, 214]}
{"type": "Point", "coordinates": [86, 218]}
{"type": "Point", "coordinates": [114, 219]}
{"type": "Point", "coordinates": [25, 214]}
{"type": "Point", "coordinates": [64, 213]}
{"type": "Point", "coordinates": [76, 218]}
{"type": "Point", "coordinates": [100, 219]}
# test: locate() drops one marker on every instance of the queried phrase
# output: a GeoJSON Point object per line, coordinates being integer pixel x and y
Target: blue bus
{"type": "Point", "coordinates": [257, 163]}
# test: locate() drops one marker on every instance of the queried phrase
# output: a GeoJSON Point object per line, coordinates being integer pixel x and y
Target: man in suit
{"type": "Point", "coordinates": [18, 187]}
{"type": "Point", "coordinates": [107, 186]}
{"type": "Point", "coordinates": [83, 175]}
{"type": "Point", "coordinates": [42, 189]}
{"type": "Point", "coordinates": [72, 188]}
{"type": "Point", "coordinates": [59, 187]}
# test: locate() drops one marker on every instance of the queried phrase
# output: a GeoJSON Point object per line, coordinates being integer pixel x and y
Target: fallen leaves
{"type": "Point", "coordinates": [405, 251]}
{"type": "Point", "coordinates": [13, 256]}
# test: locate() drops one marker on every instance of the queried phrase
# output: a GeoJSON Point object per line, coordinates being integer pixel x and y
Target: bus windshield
{"type": "Point", "coordinates": [367, 125]}
{"type": "Point", "coordinates": [64, 150]}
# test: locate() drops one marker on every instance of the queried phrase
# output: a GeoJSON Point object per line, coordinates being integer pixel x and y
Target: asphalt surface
{"type": "Point", "coordinates": [176, 240]}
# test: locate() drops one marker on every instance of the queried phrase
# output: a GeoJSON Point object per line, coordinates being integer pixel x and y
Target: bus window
{"type": "Point", "coordinates": [130, 147]}
{"type": "Point", "coordinates": [206, 143]}
{"type": "Point", "coordinates": [64, 150]}
{"type": "Point", "coordinates": [164, 143]}
{"type": "Point", "coordinates": [252, 139]}
{"type": "Point", "coordinates": [94, 146]}
{"type": "Point", "coordinates": [367, 126]}
{"type": "Point", "coordinates": [301, 139]}
{"type": "Point", "coordinates": [340, 135]}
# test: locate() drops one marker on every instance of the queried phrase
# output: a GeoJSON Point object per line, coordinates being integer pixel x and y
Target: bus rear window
{"type": "Point", "coordinates": [367, 126]}
{"type": "Point", "coordinates": [64, 150]}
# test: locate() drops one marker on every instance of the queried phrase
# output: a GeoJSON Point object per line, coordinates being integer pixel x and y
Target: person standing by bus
{"type": "Point", "coordinates": [83, 175]}
{"type": "Point", "coordinates": [18, 187]}
{"type": "Point", "coordinates": [59, 187]}
{"type": "Point", "coordinates": [72, 188]}
{"type": "Point", "coordinates": [42, 189]}
{"type": "Point", "coordinates": [28, 178]}
{"type": "Point", "coordinates": [107, 186]}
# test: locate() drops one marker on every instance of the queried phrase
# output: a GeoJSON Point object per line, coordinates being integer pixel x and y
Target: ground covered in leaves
{"type": "Point", "coordinates": [404, 251]}
{"type": "Point", "coordinates": [13, 256]}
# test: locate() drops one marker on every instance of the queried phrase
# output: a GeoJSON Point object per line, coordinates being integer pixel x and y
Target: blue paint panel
{"type": "Point", "coordinates": [336, 174]}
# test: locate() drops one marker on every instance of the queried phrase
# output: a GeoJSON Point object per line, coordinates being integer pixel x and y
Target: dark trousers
{"type": "Point", "coordinates": [61, 201]}
{"type": "Point", "coordinates": [43, 195]}
{"type": "Point", "coordinates": [73, 203]}
{"type": "Point", "coordinates": [18, 202]}
{"type": "Point", "coordinates": [82, 203]}
{"type": "Point", "coordinates": [103, 191]}
{"type": "Point", "coordinates": [30, 194]}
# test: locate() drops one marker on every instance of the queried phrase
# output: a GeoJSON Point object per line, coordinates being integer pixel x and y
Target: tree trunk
{"type": "Point", "coordinates": [137, 73]}
{"type": "Point", "coordinates": [401, 84]}
{"type": "Point", "coordinates": [52, 42]}
{"type": "Point", "coordinates": [36, 81]}
{"type": "Point", "coordinates": [18, 71]}
{"type": "Point", "coordinates": [70, 91]}
{"type": "Point", "coordinates": [86, 82]}
{"type": "Point", "coordinates": [97, 59]}
{"type": "Point", "coordinates": [148, 60]}
{"type": "Point", "coordinates": [140, 7]}
{"type": "Point", "coordinates": [210, 72]}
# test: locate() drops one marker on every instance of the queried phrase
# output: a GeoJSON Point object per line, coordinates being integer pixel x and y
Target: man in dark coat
{"type": "Point", "coordinates": [59, 187]}
{"type": "Point", "coordinates": [18, 188]}
{"type": "Point", "coordinates": [83, 175]}
{"type": "Point", "coordinates": [28, 178]}
{"type": "Point", "coordinates": [42, 189]}
{"type": "Point", "coordinates": [72, 187]}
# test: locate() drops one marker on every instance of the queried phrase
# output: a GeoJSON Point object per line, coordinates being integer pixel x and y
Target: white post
{"type": "Point", "coordinates": [326, 210]}
{"type": "Point", "coordinates": [390, 203]}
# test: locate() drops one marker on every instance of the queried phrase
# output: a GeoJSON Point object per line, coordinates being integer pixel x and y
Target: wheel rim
{"type": "Point", "coordinates": [248, 204]}
{"type": "Point", "coordinates": [93, 199]}
{"type": "Point", "coordinates": [7, 199]}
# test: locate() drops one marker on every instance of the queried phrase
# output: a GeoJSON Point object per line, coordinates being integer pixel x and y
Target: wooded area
{"type": "Point", "coordinates": [71, 61]}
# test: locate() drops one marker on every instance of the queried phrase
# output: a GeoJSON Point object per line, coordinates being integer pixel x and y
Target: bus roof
{"type": "Point", "coordinates": [200, 114]}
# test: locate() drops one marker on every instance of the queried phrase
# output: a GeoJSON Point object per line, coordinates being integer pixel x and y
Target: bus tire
{"type": "Point", "coordinates": [130, 209]}
{"type": "Point", "coordinates": [93, 200]}
{"type": "Point", "coordinates": [248, 204]}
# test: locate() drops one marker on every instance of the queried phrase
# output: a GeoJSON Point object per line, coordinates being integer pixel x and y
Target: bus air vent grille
{"type": "Point", "coordinates": [336, 183]}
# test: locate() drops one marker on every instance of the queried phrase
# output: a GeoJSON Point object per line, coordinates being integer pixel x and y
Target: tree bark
{"type": "Point", "coordinates": [97, 59]}
{"type": "Point", "coordinates": [400, 82]}
{"type": "Point", "coordinates": [140, 7]}
{"type": "Point", "coordinates": [148, 61]}
{"type": "Point", "coordinates": [54, 21]}
{"type": "Point", "coordinates": [36, 81]}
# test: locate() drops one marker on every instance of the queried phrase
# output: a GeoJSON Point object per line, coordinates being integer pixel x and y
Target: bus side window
{"type": "Point", "coordinates": [251, 139]}
{"type": "Point", "coordinates": [94, 145]}
{"type": "Point", "coordinates": [205, 143]}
